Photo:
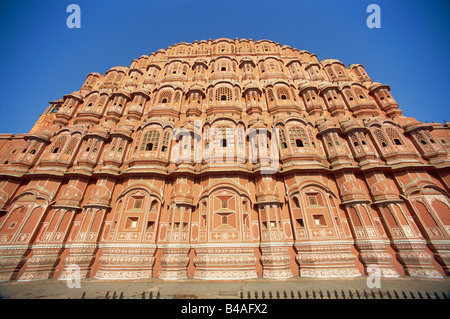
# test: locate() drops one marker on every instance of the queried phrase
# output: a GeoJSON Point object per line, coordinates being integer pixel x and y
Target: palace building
{"type": "Point", "coordinates": [226, 160]}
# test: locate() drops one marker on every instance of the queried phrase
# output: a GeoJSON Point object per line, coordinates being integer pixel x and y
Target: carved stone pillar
{"type": "Point", "coordinates": [276, 234]}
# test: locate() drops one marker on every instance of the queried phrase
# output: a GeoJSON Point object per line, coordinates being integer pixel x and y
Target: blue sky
{"type": "Point", "coordinates": [41, 59]}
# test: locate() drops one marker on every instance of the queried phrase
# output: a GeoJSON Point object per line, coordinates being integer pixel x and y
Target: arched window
{"type": "Point", "coordinates": [380, 138]}
{"type": "Point", "coordinates": [150, 141]}
{"type": "Point", "coordinates": [296, 202]}
{"type": "Point", "coordinates": [394, 136]}
{"type": "Point", "coordinates": [298, 137]}
{"type": "Point", "coordinates": [165, 142]}
{"type": "Point", "coordinates": [282, 94]}
{"type": "Point", "coordinates": [270, 95]}
{"type": "Point", "coordinates": [165, 97]}
{"type": "Point", "coordinates": [282, 139]}
{"type": "Point", "coordinates": [223, 94]}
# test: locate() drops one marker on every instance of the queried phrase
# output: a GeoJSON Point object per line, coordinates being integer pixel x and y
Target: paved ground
{"type": "Point", "coordinates": [189, 288]}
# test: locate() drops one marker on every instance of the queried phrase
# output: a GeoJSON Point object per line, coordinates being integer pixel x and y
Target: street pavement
{"type": "Point", "coordinates": [297, 287]}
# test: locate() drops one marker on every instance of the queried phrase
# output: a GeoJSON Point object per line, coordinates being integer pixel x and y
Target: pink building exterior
{"type": "Point", "coordinates": [225, 160]}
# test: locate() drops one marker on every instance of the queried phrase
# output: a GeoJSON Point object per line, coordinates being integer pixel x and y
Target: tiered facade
{"type": "Point", "coordinates": [225, 159]}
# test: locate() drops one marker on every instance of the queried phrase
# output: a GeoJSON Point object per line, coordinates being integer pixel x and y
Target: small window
{"type": "Point", "coordinates": [223, 69]}
{"type": "Point", "coordinates": [137, 203]}
{"type": "Point", "coordinates": [164, 149]}
{"type": "Point", "coordinates": [223, 142]}
{"type": "Point", "coordinates": [32, 151]}
{"type": "Point", "coordinates": [283, 97]}
{"type": "Point", "coordinates": [363, 142]}
{"type": "Point", "coordinates": [300, 222]}
{"type": "Point", "coordinates": [150, 225]}
{"type": "Point", "coordinates": [383, 144]}
{"type": "Point", "coordinates": [423, 142]}
{"type": "Point", "coordinates": [223, 97]}
{"type": "Point", "coordinates": [298, 143]}
{"type": "Point", "coordinates": [164, 100]}
{"type": "Point", "coordinates": [131, 223]}
{"type": "Point", "coordinates": [224, 203]}
{"type": "Point", "coordinates": [149, 146]}
{"type": "Point", "coordinates": [356, 143]}
{"type": "Point", "coordinates": [397, 141]}
{"type": "Point", "coordinates": [319, 220]}
{"type": "Point", "coordinates": [153, 206]}
{"type": "Point", "coordinates": [312, 200]}
{"type": "Point", "coordinates": [283, 145]}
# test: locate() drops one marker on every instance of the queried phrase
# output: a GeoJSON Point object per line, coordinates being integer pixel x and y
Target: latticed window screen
{"type": "Point", "coordinates": [165, 97]}
{"type": "Point", "coordinates": [270, 94]}
{"type": "Point", "coordinates": [165, 141]}
{"type": "Point", "coordinates": [223, 94]}
{"type": "Point", "coordinates": [282, 138]}
{"type": "Point", "coordinates": [72, 144]}
{"type": "Point", "coordinates": [380, 137]}
{"type": "Point", "coordinates": [236, 94]}
{"type": "Point", "coordinates": [328, 141]}
{"type": "Point", "coordinates": [113, 145]}
{"type": "Point", "coordinates": [394, 136]}
{"type": "Point", "coordinates": [336, 139]}
{"type": "Point", "coordinates": [150, 141]}
{"type": "Point", "coordinates": [282, 94]}
{"type": "Point", "coordinates": [177, 97]}
{"type": "Point", "coordinates": [420, 138]}
{"type": "Point", "coordinates": [240, 134]}
{"type": "Point", "coordinates": [311, 138]}
{"type": "Point", "coordinates": [121, 146]}
{"type": "Point", "coordinates": [429, 136]}
{"type": "Point", "coordinates": [224, 136]}
{"type": "Point", "coordinates": [354, 140]}
{"type": "Point", "coordinates": [59, 144]}
{"type": "Point", "coordinates": [272, 66]}
{"type": "Point", "coordinates": [297, 133]}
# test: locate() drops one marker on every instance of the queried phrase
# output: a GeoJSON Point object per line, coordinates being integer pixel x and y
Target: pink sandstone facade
{"type": "Point", "coordinates": [226, 160]}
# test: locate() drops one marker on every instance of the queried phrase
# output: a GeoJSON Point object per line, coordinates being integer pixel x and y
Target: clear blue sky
{"type": "Point", "coordinates": [41, 59]}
